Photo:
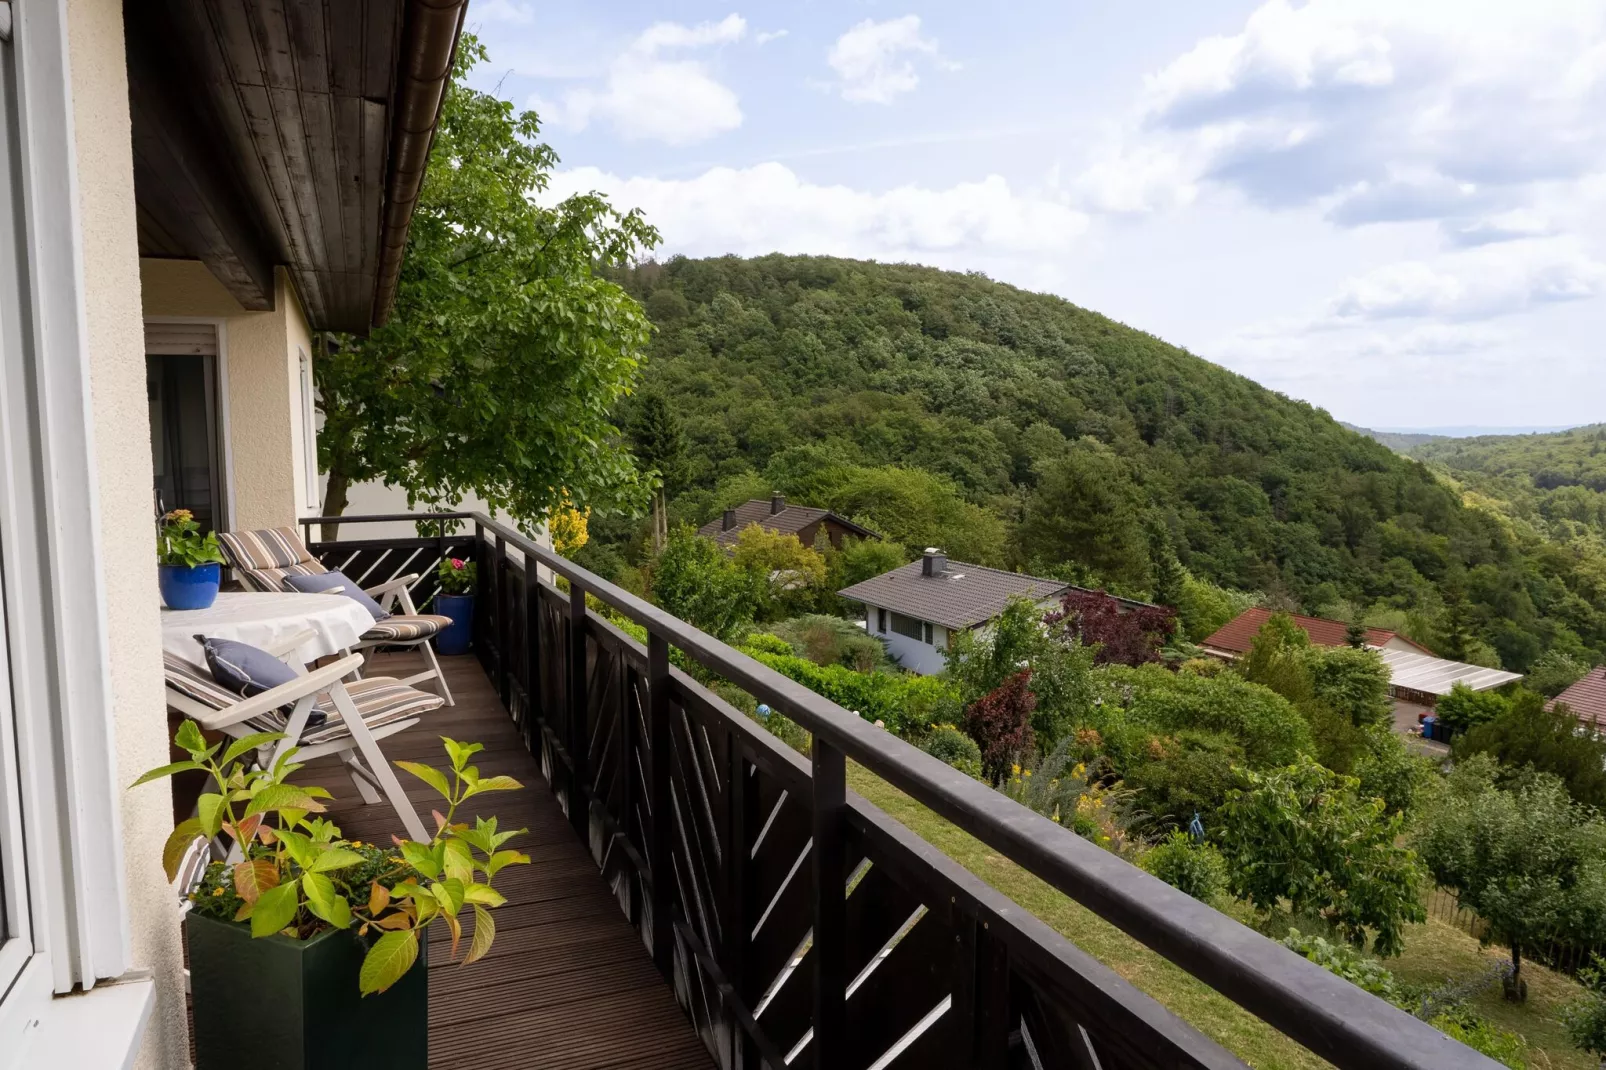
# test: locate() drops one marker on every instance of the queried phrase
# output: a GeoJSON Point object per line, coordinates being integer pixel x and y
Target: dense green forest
{"type": "Point", "coordinates": [1018, 429]}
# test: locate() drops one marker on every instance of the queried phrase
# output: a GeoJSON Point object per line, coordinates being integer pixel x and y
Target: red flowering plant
{"type": "Point", "coordinates": [456, 575]}
{"type": "Point", "coordinates": [1122, 635]}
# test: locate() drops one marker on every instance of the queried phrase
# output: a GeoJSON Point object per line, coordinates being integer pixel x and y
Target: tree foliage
{"type": "Point", "coordinates": [699, 583]}
{"type": "Point", "coordinates": [1530, 861]}
{"type": "Point", "coordinates": [1001, 724]}
{"type": "Point", "coordinates": [1528, 737]}
{"type": "Point", "coordinates": [507, 349]}
{"type": "Point", "coordinates": [1119, 635]}
{"type": "Point", "coordinates": [1303, 836]}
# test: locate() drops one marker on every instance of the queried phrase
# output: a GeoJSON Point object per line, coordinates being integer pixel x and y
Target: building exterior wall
{"type": "Point", "coordinates": [122, 453]}
{"type": "Point", "coordinates": [260, 364]}
{"type": "Point", "coordinates": [912, 654]}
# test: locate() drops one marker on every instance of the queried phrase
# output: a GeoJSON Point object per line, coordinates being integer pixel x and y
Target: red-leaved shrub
{"type": "Point", "coordinates": [1000, 723]}
{"type": "Point", "coordinates": [1123, 636]}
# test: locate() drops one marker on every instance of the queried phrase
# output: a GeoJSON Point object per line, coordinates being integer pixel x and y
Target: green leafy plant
{"type": "Point", "coordinates": [1348, 963]}
{"type": "Point", "coordinates": [299, 877]}
{"type": "Point", "coordinates": [1586, 1017]}
{"type": "Point", "coordinates": [179, 542]}
{"type": "Point", "coordinates": [1188, 866]}
{"type": "Point", "coordinates": [456, 575]}
{"type": "Point", "coordinates": [1303, 835]}
{"type": "Point", "coordinates": [1482, 1035]}
{"type": "Point", "coordinates": [948, 744]}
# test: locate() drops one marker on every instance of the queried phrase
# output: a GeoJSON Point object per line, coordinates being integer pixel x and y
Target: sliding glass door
{"type": "Point", "coordinates": [181, 381]}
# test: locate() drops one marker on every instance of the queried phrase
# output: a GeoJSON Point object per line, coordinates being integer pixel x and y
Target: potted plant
{"type": "Point", "coordinates": [188, 564]}
{"type": "Point", "coordinates": [455, 599]}
{"type": "Point", "coordinates": [302, 945]}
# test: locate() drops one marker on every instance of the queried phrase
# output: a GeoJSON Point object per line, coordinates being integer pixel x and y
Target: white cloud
{"type": "Point", "coordinates": [768, 208]}
{"type": "Point", "coordinates": [646, 95]}
{"type": "Point", "coordinates": [766, 36]}
{"type": "Point", "coordinates": [1375, 110]}
{"type": "Point", "coordinates": [1481, 284]}
{"type": "Point", "coordinates": [875, 61]}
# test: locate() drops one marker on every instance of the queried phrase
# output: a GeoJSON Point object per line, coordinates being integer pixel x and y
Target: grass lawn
{"type": "Point", "coordinates": [1435, 951]}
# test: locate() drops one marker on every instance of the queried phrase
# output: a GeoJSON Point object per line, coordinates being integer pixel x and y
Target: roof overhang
{"type": "Point", "coordinates": [287, 133]}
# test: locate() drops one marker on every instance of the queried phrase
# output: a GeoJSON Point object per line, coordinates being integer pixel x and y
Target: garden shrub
{"type": "Point", "coordinates": [1464, 708]}
{"type": "Point", "coordinates": [1482, 1035]}
{"type": "Point", "coordinates": [1182, 774]}
{"type": "Point", "coordinates": [768, 643]}
{"type": "Point", "coordinates": [948, 744]}
{"type": "Point", "coordinates": [832, 641]}
{"type": "Point", "coordinates": [1188, 866]}
{"type": "Point", "coordinates": [1358, 969]}
{"type": "Point", "coordinates": [1268, 728]}
{"type": "Point", "coordinates": [903, 702]}
{"type": "Point", "coordinates": [1001, 724]}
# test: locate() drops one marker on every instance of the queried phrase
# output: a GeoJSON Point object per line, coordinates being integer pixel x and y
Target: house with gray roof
{"type": "Point", "coordinates": [914, 609]}
{"type": "Point", "coordinates": [807, 522]}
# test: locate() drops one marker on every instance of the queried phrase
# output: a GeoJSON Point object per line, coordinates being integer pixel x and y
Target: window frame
{"type": "Point", "coordinates": [309, 430]}
{"type": "Point", "coordinates": [913, 627]}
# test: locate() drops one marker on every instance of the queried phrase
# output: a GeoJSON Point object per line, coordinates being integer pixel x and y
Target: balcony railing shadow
{"type": "Point", "coordinates": [797, 924]}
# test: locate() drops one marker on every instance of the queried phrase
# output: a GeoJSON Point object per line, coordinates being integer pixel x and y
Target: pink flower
{"type": "Point", "coordinates": [457, 562]}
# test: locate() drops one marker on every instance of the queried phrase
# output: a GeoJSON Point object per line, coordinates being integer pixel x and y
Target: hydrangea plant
{"type": "Point", "coordinates": [300, 877]}
{"type": "Point", "coordinates": [179, 541]}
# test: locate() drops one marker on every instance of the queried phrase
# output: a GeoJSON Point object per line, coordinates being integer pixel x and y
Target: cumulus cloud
{"type": "Point", "coordinates": [875, 61]}
{"type": "Point", "coordinates": [648, 94]}
{"type": "Point", "coordinates": [769, 208]}
{"type": "Point", "coordinates": [1377, 110]}
{"type": "Point", "coordinates": [1481, 284]}
{"type": "Point", "coordinates": [766, 36]}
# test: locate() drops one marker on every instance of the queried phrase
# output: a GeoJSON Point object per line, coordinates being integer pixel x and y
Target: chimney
{"type": "Point", "coordinates": [933, 562]}
{"type": "Point", "coordinates": [727, 521]}
{"type": "Point", "coordinates": [777, 503]}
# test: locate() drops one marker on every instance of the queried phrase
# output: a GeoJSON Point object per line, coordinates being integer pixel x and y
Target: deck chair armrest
{"type": "Point", "coordinates": [390, 585]}
{"type": "Point", "coordinates": [313, 682]}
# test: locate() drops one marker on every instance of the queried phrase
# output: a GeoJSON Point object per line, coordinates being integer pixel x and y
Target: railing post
{"type": "Point", "coordinates": [575, 730]}
{"type": "Point", "coordinates": [504, 638]}
{"type": "Point", "coordinates": [660, 846]}
{"type": "Point", "coordinates": [735, 924]}
{"type": "Point", "coordinates": [981, 996]}
{"type": "Point", "coordinates": [533, 695]}
{"type": "Point", "coordinates": [830, 906]}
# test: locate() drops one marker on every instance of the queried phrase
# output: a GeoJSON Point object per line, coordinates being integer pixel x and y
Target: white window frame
{"type": "Point", "coordinates": [309, 431]}
{"type": "Point", "coordinates": [58, 632]}
{"type": "Point", "coordinates": [225, 508]}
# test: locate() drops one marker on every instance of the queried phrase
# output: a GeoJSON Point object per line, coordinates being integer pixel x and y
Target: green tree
{"type": "Point", "coordinates": [1464, 708]}
{"type": "Point", "coordinates": [1585, 1017]}
{"type": "Point", "coordinates": [1282, 658]}
{"type": "Point", "coordinates": [1529, 737]}
{"type": "Point", "coordinates": [1555, 672]}
{"type": "Point", "coordinates": [1531, 862]}
{"type": "Point", "coordinates": [1169, 575]}
{"type": "Point", "coordinates": [1355, 634]}
{"type": "Point", "coordinates": [1204, 607]}
{"type": "Point", "coordinates": [1087, 510]}
{"type": "Point", "coordinates": [507, 347]}
{"type": "Point", "coordinates": [699, 583]}
{"type": "Point", "coordinates": [861, 559]}
{"type": "Point", "coordinates": [785, 572]}
{"type": "Point", "coordinates": [660, 448]}
{"type": "Point", "coordinates": [1304, 836]}
{"type": "Point", "coordinates": [1355, 682]}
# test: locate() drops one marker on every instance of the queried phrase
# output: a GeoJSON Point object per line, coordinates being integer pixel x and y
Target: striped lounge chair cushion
{"type": "Point", "coordinates": [404, 629]}
{"type": "Point", "coordinates": [381, 700]}
{"type": "Point", "coordinates": [265, 557]}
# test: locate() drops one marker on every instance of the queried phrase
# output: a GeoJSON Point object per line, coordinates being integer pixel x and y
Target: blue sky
{"type": "Point", "coordinates": [1391, 208]}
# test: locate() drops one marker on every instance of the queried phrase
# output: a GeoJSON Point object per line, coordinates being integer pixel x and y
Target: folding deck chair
{"type": "Point", "coordinates": [358, 714]}
{"type": "Point", "coordinates": [264, 558]}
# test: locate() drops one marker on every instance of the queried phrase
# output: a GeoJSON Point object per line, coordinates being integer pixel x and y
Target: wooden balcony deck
{"type": "Point", "coordinates": [568, 984]}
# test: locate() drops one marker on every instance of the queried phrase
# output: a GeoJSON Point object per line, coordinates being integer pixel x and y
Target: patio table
{"type": "Point", "coordinates": [263, 619]}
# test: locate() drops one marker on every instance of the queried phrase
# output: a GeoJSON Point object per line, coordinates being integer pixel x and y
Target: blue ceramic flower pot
{"type": "Point", "coordinates": [460, 636]}
{"type": "Point", "coordinates": [187, 586]}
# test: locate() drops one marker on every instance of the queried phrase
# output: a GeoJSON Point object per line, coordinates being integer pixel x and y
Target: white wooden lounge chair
{"type": "Point", "coordinates": [262, 559]}
{"type": "Point", "coordinates": [358, 714]}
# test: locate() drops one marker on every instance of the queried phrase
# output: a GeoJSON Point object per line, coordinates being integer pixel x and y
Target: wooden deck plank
{"type": "Point", "coordinates": [568, 984]}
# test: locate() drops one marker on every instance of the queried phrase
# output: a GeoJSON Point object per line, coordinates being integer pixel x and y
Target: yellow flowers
{"type": "Point", "coordinates": [218, 890]}
{"type": "Point", "coordinates": [1015, 769]}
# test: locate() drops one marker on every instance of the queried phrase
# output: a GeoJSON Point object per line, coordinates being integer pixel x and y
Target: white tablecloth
{"type": "Point", "coordinates": [263, 619]}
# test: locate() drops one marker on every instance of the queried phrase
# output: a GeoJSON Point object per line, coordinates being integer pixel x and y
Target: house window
{"type": "Point", "coordinates": [926, 638]}
{"type": "Point", "coordinates": [881, 621]}
{"type": "Point", "coordinates": [309, 432]}
{"type": "Point", "coordinates": [909, 626]}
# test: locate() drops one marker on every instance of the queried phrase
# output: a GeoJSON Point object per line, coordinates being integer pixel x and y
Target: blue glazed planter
{"type": "Point", "coordinates": [460, 636]}
{"type": "Point", "coordinates": [189, 587]}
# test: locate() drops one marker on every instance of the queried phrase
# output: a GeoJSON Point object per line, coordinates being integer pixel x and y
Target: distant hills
{"type": "Point", "coordinates": [1406, 440]}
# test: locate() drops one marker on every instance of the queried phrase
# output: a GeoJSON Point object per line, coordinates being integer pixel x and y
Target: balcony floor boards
{"type": "Point", "coordinates": [568, 984]}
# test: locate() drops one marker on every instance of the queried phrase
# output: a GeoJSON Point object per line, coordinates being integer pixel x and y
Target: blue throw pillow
{"type": "Point", "coordinates": [247, 670]}
{"type": "Point", "coordinates": [323, 581]}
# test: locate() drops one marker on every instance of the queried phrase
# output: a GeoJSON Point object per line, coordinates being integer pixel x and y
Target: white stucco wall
{"type": "Point", "coordinates": [912, 654]}
{"type": "Point", "coordinates": [261, 367]}
{"type": "Point", "coordinates": [123, 457]}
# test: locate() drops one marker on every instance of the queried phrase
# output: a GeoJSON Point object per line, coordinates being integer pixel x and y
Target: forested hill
{"type": "Point", "coordinates": [1018, 429]}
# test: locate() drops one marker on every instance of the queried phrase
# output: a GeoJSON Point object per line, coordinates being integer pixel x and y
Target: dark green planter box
{"type": "Point", "coordinates": [282, 1004]}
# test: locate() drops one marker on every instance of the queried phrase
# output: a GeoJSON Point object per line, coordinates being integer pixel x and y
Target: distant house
{"type": "Point", "coordinates": [1417, 677]}
{"type": "Point", "coordinates": [1231, 640]}
{"type": "Point", "coordinates": [1587, 699]}
{"type": "Point", "coordinates": [916, 608]}
{"type": "Point", "coordinates": [804, 521]}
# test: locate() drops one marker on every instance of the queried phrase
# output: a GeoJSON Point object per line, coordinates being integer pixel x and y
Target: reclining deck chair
{"type": "Point", "coordinates": [262, 559]}
{"type": "Point", "coordinates": [357, 715]}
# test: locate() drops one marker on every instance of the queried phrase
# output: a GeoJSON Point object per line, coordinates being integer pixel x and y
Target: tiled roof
{"type": "Point", "coordinates": [1587, 698]}
{"type": "Point", "coordinates": [1236, 635]}
{"type": "Point", "coordinates": [961, 596]}
{"type": "Point", "coordinates": [789, 521]}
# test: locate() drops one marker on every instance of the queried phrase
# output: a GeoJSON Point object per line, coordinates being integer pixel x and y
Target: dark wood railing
{"type": "Point", "coordinates": [799, 925]}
